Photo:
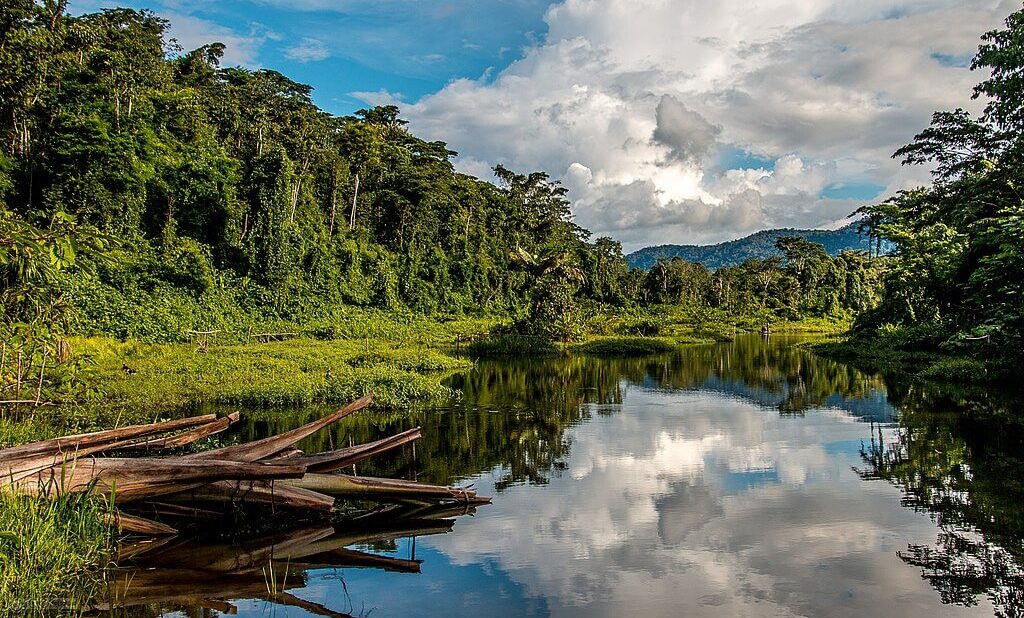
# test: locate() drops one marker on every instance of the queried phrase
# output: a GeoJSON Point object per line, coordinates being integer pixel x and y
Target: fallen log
{"type": "Point", "coordinates": [261, 449]}
{"type": "Point", "coordinates": [187, 437]}
{"type": "Point", "coordinates": [181, 511]}
{"type": "Point", "coordinates": [71, 444]}
{"type": "Point", "coordinates": [266, 493]}
{"type": "Point", "coordinates": [128, 479]}
{"type": "Point", "coordinates": [138, 525]}
{"type": "Point", "coordinates": [270, 472]}
{"type": "Point", "coordinates": [363, 487]}
{"type": "Point", "coordinates": [330, 461]}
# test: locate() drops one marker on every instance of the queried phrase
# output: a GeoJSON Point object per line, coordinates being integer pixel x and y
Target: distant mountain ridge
{"type": "Point", "coordinates": [759, 245]}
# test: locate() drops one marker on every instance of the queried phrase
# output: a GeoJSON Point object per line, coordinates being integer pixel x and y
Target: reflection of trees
{"type": "Point", "coordinates": [513, 414]}
{"type": "Point", "coordinates": [957, 456]}
{"type": "Point", "coordinates": [777, 372]}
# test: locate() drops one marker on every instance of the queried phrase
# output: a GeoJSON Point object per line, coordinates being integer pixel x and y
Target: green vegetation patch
{"type": "Point", "coordinates": [299, 371]}
{"type": "Point", "coordinates": [625, 346]}
{"type": "Point", "coordinates": [509, 344]}
{"type": "Point", "coordinates": [51, 553]}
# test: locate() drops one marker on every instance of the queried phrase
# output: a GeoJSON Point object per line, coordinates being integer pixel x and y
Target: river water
{"type": "Point", "coordinates": [749, 478]}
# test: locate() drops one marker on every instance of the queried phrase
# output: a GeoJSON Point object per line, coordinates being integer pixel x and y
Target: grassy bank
{"type": "Point", "coordinates": [880, 354]}
{"type": "Point", "coordinates": [688, 324]}
{"type": "Point", "coordinates": [635, 331]}
{"type": "Point", "coordinates": [51, 554]}
{"type": "Point", "coordinates": [299, 371]}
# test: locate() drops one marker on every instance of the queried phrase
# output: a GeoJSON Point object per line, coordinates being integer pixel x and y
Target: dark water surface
{"type": "Point", "coordinates": [740, 479]}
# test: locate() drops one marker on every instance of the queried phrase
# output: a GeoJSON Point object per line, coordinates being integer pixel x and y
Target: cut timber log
{"type": "Point", "coordinates": [270, 472]}
{"type": "Point", "coordinates": [261, 449]}
{"type": "Point", "coordinates": [188, 437]}
{"type": "Point", "coordinates": [136, 479]}
{"type": "Point", "coordinates": [137, 525]}
{"type": "Point", "coordinates": [268, 493]}
{"type": "Point", "coordinates": [363, 487]}
{"type": "Point", "coordinates": [342, 458]}
{"type": "Point", "coordinates": [71, 444]}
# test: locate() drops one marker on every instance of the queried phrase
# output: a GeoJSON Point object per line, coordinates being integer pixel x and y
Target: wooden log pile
{"type": "Point", "coordinates": [130, 466]}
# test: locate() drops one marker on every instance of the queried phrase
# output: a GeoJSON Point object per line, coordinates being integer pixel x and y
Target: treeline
{"type": "Point", "coordinates": [957, 277]}
{"type": "Point", "coordinates": [806, 281]}
{"type": "Point", "coordinates": [200, 193]}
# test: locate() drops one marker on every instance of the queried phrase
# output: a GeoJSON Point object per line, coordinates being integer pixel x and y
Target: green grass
{"type": "Point", "coordinates": [624, 346]}
{"type": "Point", "coordinates": [160, 377]}
{"type": "Point", "coordinates": [687, 324]}
{"type": "Point", "coordinates": [52, 552]}
{"type": "Point", "coordinates": [511, 344]}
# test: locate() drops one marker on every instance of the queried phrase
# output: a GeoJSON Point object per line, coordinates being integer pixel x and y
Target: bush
{"type": "Point", "coordinates": [955, 369]}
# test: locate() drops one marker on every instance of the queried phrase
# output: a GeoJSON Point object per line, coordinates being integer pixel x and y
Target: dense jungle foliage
{"type": "Point", "coordinates": [209, 197]}
{"type": "Point", "coordinates": [956, 281]}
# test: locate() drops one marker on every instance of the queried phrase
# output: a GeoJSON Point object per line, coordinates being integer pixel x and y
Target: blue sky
{"type": "Point", "coordinates": [408, 49]}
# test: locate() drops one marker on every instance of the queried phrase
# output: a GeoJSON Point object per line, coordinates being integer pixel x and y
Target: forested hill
{"type": "Point", "coordinates": [760, 245]}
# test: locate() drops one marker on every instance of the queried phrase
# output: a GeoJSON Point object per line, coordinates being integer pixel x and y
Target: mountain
{"type": "Point", "coordinates": [759, 245]}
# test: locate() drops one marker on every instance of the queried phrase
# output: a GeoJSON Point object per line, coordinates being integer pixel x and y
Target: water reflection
{"type": "Point", "coordinates": [710, 481]}
{"type": "Point", "coordinates": [957, 456]}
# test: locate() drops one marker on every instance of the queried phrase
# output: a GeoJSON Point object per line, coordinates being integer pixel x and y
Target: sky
{"type": "Point", "coordinates": [670, 121]}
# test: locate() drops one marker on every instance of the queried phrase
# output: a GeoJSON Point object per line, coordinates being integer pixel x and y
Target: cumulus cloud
{"type": "Point", "coordinates": [632, 103]}
{"type": "Point", "coordinates": [686, 132]}
{"type": "Point", "coordinates": [380, 97]}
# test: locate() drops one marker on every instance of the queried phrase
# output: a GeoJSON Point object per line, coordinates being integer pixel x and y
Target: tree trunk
{"type": "Point", "coordinates": [334, 204]}
{"type": "Point", "coordinates": [352, 215]}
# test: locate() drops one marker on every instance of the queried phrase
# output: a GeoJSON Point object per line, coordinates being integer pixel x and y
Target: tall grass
{"type": "Point", "coordinates": [52, 551]}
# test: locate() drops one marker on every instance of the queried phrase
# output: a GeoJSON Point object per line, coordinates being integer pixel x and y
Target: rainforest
{"type": "Point", "coordinates": [182, 236]}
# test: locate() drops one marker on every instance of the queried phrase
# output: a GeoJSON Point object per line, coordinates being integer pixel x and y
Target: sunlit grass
{"type": "Point", "coordinates": [52, 552]}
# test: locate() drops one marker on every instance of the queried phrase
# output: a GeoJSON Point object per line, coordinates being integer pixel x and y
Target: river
{"type": "Point", "coordinates": [749, 478]}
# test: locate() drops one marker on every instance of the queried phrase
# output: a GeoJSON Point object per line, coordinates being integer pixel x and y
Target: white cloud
{"type": "Point", "coordinates": [630, 101]}
{"type": "Point", "coordinates": [240, 49]}
{"type": "Point", "coordinates": [308, 50]}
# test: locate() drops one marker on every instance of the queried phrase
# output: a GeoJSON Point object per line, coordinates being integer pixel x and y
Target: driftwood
{"type": "Point", "coordinates": [268, 473]}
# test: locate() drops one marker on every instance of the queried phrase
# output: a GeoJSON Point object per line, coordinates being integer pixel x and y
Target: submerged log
{"type": "Point", "coordinates": [360, 487]}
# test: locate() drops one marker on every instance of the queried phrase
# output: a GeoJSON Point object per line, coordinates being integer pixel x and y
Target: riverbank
{"type": "Point", "coordinates": [882, 355]}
